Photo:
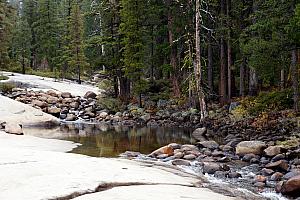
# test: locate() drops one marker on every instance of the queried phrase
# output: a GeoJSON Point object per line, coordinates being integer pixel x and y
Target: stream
{"type": "Point", "coordinates": [102, 140]}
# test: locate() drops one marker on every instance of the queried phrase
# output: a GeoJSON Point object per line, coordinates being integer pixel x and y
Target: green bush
{"type": "Point", "coordinates": [268, 101]}
{"type": "Point", "coordinates": [110, 104]}
{"type": "Point", "coordinates": [6, 87]}
{"type": "Point", "coordinates": [3, 78]}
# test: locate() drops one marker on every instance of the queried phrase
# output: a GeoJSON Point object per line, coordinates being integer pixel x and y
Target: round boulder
{"type": "Point", "coordinates": [248, 147]}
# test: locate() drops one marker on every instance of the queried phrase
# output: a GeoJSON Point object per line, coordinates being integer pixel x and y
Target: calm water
{"type": "Point", "coordinates": [100, 140]}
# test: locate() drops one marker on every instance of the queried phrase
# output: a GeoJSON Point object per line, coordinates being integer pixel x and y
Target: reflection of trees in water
{"type": "Point", "coordinates": [102, 140]}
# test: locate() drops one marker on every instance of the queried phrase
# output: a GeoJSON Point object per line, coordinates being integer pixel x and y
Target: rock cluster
{"type": "Point", "coordinates": [276, 166]}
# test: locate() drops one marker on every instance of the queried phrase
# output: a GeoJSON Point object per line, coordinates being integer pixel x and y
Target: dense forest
{"type": "Point", "coordinates": [212, 50]}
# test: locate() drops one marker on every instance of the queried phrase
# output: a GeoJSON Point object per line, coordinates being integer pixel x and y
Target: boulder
{"type": "Point", "coordinates": [211, 168]}
{"type": "Point", "coordinates": [209, 144]}
{"type": "Point", "coordinates": [52, 100]}
{"type": "Point", "coordinates": [146, 117]}
{"type": "Point", "coordinates": [234, 175]}
{"type": "Point", "coordinates": [190, 157]}
{"type": "Point", "coordinates": [71, 117]}
{"type": "Point", "coordinates": [278, 165]}
{"type": "Point", "coordinates": [178, 155]}
{"type": "Point", "coordinates": [277, 176]}
{"type": "Point", "coordinates": [291, 187]}
{"type": "Point", "coordinates": [74, 105]}
{"type": "Point", "coordinates": [199, 133]}
{"type": "Point", "coordinates": [189, 147]}
{"type": "Point", "coordinates": [163, 150]}
{"type": "Point", "coordinates": [181, 162]}
{"type": "Point", "coordinates": [13, 128]}
{"type": "Point", "coordinates": [273, 151]}
{"type": "Point", "coordinates": [40, 104]}
{"type": "Point", "coordinates": [90, 94]}
{"type": "Point", "coordinates": [103, 115]}
{"type": "Point", "coordinates": [52, 93]}
{"type": "Point", "coordinates": [247, 147]}
{"type": "Point", "coordinates": [260, 178]}
{"type": "Point", "coordinates": [66, 95]}
{"type": "Point", "coordinates": [54, 110]}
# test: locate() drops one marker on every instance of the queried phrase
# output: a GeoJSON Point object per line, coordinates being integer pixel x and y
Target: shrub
{"type": "Point", "coordinates": [110, 104]}
{"type": "Point", "coordinates": [3, 78]}
{"type": "Point", "coordinates": [7, 87]}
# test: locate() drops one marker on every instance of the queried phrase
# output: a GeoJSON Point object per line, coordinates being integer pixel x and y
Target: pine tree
{"type": "Point", "coordinates": [78, 60]}
{"type": "Point", "coordinates": [133, 30]}
{"type": "Point", "coordinates": [6, 23]}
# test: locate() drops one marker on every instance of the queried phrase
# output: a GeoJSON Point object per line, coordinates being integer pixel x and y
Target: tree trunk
{"type": "Point", "coordinates": [242, 77]}
{"type": "Point", "coordinates": [253, 82]}
{"type": "Point", "coordinates": [294, 72]}
{"type": "Point", "coordinates": [223, 62]}
{"type": "Point", "coordinates": [124, 89]}
{"type": "Point", "coordinates": [282, 81]}
{"type": "Point", "coordinates": [173, 54]}
{"type": "Point", "coordinates": [229, 51]}
{"type": "Point", "coordinates": [198, 72]}
{"type": "Point", "coordinates": [210, 65]}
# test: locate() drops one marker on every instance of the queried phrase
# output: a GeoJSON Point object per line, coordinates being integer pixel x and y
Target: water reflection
{"type": "Point", "coordinates": [101, 140]}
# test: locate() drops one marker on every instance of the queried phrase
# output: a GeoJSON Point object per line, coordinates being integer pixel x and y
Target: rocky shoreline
{"type": "Point", "coordinates": [268, 146]}
{"type": "Point", "coordinates": [262, 167]}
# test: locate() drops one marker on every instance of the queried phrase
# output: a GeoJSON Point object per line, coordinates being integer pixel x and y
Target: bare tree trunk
{"type": "Point", "coordinates": [229, 51]}
{"type": "Point", "coordinates": [198, 72]}
{"type": "Point", "coordinates": [253, 82]}
{"type": "Point", "coordinates": [282, 80]}
{"type": "Point", "coordinates": [223, 62]}
{"type": "Point", "coordinates": [173, 55]}
{"type": "Point", "coordinates": [210, 65]}
{"type": "Point", "coordinates": [294, 72]}
{"type": "Point", "coordinates": [242, 78]}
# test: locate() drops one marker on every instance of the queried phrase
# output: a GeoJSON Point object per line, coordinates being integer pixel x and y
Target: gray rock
{"type": "Point", "coordinates": [281, 165]}
{"type": "Point", "coordinates": [13, 128]}
{"type": "Point", "coordinates": [273, 151]}
{"type": "Point", "coordinates": [247, 147]}
{"type": "Point", "coordinates": [181, 162]}
{"type": "Point", "coordinates": [211, 168]}
{"type": "Point", "coordinates": [277, 176]}
{"type": "Point", "coordinates": [71, 117]}
{"type": "Point", "coordinates": [66, 95]}
{"type": "Point", "coordinates": [74, 105]}
{"type": "Point", "coordinates": [146, 117]}
{"type": "Point", "coordinates": [178, 155]}
{"type": "Point", "coordinates": [190, 157]}
{"type": "Point", "coordinates": [54, 110]}
{"type": "Point", "coordinates": [52, 100]}
{"type": "Point", "coordinates": [209, 144]}
{"type": "Point", "coordinates": [40, 104]}
{"type": "Point", "coordinates": [220, 174]}
{"type": "Point", "coordinates": [234, 175]}
{"type": "Point", "coordinates": [199, 133]}
{"type": "Point", "coordinates": [90, 94]}
{"type": "Point", "coordinates": [291, 174]}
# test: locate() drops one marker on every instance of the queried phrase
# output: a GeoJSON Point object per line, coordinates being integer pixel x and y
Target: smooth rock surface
{"type": "Point", "coordinates": [34, 168]}
{"type": "Point", "coordinates": [19, 113]}
{"type": "Point", "coordinates": [154, 192]}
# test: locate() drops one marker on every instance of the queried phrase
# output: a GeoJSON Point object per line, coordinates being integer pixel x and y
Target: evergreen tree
{"type": "Point", "coordinates": [78, 60]}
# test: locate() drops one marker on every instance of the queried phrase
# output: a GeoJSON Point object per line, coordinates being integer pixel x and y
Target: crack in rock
{"type": "Point", "coordinates": [108, 186]}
